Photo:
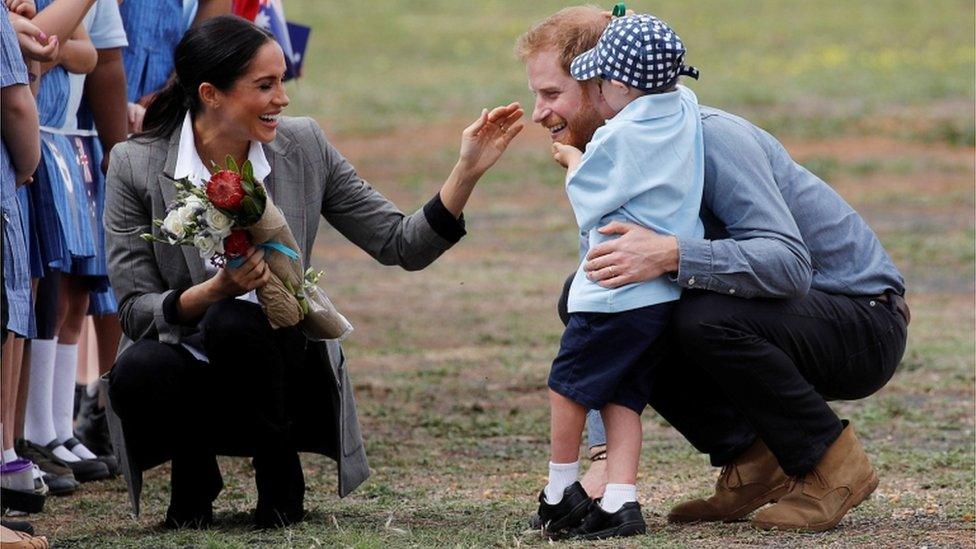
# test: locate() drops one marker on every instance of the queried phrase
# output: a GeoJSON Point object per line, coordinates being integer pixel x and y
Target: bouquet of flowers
{"type": "Point", "coordinates": [232, 212]}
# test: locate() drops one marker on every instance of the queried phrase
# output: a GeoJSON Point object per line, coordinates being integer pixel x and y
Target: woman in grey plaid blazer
{"type": "Point", "coordinates": [201, 373]}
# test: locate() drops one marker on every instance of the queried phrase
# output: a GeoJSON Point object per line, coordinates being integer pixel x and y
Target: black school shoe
{"type": "Point", "coordinates": [84, 470]}
{"type": "Point", "coordinates": [599, 524]}
{"type": "Point", "coordinates": [558, 520]}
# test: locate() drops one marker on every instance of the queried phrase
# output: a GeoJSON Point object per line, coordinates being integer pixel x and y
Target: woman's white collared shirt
{"type": "Point", "coordinates": [189, 165]}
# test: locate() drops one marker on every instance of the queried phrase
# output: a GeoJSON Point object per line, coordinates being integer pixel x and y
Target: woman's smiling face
{"type": "Point", "coordinates": [252, 105]}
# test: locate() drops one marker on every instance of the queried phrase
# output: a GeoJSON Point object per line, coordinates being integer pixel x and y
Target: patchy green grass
{"type": "Point", "coordinates": [818, 68]}
{"type": "Point", "coordinates": [449, 364]}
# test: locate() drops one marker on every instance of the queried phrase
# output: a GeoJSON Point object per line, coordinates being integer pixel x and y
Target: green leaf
{"type": "Point", "coordinates": [249, 207]}
{"type": "Point", "coordinates": [247, 186]}
{"type": "Point", "coordinates": [247, 171]}
{"type": "Point", "coordinates": [147, 237]}
{"type": "Point", "coordinates": [214, 167]}
{"type": "Point", "coordinates": [231, 164]}
{"type": "Point", "coordinates": [259, 191]}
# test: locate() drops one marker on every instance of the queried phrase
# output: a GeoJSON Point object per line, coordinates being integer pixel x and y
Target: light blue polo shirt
{"type": "Point", "coordinates": [644, 166]}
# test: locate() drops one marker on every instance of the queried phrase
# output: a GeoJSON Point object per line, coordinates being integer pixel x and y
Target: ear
{"type": "Point", "coordinates": [619, 85]}
{"type": "Point", "coordinates": [209, 94]}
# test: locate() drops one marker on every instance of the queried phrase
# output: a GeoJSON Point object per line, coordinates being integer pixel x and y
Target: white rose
{"type": "Point", "coordinates": [173, 225]}
{"type": "Point", "coordinates": [206, 243]}
{"type": "Point", "coordinates": [195, 201]}
{"type": "Point", "coordinates": [217, 221]}
{"type": "Point", "coordinates": [188, 213]}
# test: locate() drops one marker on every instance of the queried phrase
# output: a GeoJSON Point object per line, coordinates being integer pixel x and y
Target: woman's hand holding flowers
{"type": "Point", "coordinates": [250, 275]}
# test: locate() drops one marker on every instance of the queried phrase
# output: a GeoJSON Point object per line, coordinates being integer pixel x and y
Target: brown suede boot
{"type": "Point", "coordinates": [751, 481]}
{"type": "Point", "coordinates": [818, 500]}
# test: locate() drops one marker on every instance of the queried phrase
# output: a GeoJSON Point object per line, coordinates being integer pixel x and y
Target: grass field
{"type": "Point", "coordinates": [449, 364]}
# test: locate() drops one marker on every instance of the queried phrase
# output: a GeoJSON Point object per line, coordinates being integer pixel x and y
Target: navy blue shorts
{"type": "Point", "coordinates": [599, 360]}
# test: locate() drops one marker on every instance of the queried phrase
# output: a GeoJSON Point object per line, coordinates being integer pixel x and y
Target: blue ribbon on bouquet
{"type": "Point", "coordinates": [270, 245]}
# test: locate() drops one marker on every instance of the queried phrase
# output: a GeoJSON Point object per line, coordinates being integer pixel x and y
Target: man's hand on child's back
{"type": "Point", "coordinates": [567, 156]}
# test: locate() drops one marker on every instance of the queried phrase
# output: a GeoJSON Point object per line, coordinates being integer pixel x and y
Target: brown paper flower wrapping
{"type": "Point", "coordinates": [323, 321]}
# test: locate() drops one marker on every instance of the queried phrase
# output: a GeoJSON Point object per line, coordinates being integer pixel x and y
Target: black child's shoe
{"type": "Point", "coordinates": [599, 524]}
{"type": "Point", "coordinates": [560, 518]}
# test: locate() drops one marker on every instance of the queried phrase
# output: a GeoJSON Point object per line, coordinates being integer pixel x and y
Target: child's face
{"type": "Point", "coordinates": [617, 94]}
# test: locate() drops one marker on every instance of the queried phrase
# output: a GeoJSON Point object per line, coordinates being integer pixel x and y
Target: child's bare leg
{"type": "Point", "coordinates": [565, 428]}
{"type": "Point", "coordinates": [624, 435]}
{"type": "Point", "coordinates": [9, 379]}
{"type": "Point", "coordinates": [623, 443]}
{"type": "Point", "coordinates": [565, 431]}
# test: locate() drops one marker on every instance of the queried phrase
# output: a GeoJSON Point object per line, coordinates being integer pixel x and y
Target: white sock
{"type": "Point", "coordinates": [92, 388]}
{"type": "Point", "coordinates": [616, 495]}
{"type": "Point", "coordinates": [561, 476]}
{"type": "Point", "coordinates": [65, 454]}
{"type": "Point", "coordinates": [9, 455]}
{"type": "Point", "coordinates": [39, 423]}
{"type": "Point", "coordinates": [65, 371]}
{"type": "Point", "coordinates": [63, 389]}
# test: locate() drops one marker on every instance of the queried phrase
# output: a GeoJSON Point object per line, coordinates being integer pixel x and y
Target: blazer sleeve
{"type": "Point", "coordinates": [139, 286]}
{"type": "Point", "coordinates": [370, 220]}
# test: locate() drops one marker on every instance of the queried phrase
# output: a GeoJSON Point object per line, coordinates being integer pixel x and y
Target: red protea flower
{"type": "Point", "coordinates": [225, 190]}
{"type": "Point", "coordinates": [237, 243]}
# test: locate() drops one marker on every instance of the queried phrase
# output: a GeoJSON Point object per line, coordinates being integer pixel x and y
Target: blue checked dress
{"type": "Point", "coordinates": [101, 297]}
{"type": "Point", "coordinates": [153, 28]}
{"type": "Point", "coordinates": [62, 217]}
{"type": "Point", "coordinates": [16, 262]}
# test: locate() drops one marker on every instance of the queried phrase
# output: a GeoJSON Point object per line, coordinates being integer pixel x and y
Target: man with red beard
{"type": "Point", "coordinates": [789, 301]}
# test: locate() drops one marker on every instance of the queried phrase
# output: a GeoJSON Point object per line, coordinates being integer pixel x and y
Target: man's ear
{"type": "Point", "coordinates": [619, 85]}
{"type": "Point", "coordinates": [209, 94]}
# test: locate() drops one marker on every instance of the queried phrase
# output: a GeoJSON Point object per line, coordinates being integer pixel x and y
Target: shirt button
{"type": "Point", "coordinates": [872, 303]}
{"type": "Point", "coordinates": [731, 290]}
{"type": "Point", "coordinates": [691, 281]}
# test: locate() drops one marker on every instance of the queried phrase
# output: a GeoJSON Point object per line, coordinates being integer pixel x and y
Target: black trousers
{"type": "Point", "coordinates": [732, 369]}
{"type": "Point", "coordinates": [175, 407]}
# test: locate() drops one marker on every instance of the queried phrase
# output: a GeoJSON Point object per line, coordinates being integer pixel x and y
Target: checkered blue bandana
{"type": "Point", "coordinates": [639, 50]}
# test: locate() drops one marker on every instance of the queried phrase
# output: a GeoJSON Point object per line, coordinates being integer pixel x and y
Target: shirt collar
{"type": "Point", "coordinates": [656, 105]}
{"type": "Point", "coordinates": [188, 163]}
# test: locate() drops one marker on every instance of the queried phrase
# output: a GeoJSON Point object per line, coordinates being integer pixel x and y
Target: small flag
{"type": "Point", "coordinates": [270, 16]}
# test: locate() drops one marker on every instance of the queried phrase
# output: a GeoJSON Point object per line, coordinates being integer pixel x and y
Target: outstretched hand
{"type": "Point", "coordinates": [484, 141]}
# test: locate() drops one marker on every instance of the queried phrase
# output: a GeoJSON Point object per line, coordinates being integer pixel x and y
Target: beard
{"type": "Point", "coordinates": [584, 123]}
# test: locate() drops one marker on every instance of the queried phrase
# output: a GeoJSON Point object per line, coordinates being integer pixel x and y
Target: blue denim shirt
{"type": "Point", "coordinates": [772, 228]}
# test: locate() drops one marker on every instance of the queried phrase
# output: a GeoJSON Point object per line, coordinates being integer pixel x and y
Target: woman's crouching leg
{"type": "Point", "coordinates": [158, 391]}
{"type": "Point", "coordinates": [258, 365]}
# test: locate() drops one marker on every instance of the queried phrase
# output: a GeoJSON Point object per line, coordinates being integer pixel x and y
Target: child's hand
{"type": "Point", "coordinates": [567, 156]}
{"type": "Point", "coordinates": [34, 44]}
{"type": "Point", "coordinates": [25, 8]}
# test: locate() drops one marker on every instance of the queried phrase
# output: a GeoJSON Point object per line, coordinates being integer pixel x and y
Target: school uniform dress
{"type": "Point", "coordinates": [104, 26]}
{"type": "Point", "coordinates": [154, 27]}
{"type": "Point", "coordinates": [18, 315]}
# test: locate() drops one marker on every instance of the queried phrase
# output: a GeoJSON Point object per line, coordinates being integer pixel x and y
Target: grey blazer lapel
{"type": "Point", "coordinates": [286, 186]}
{"type": "Point", "coordinates": [167, 185]}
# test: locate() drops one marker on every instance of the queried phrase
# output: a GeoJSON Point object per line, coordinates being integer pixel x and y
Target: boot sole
{"type": "Point", "coordinates": [857, 499]}
{"type": "Point", "coordinates": [739, 514]}
{"type": "Point", "coordinates": [624, 530]}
